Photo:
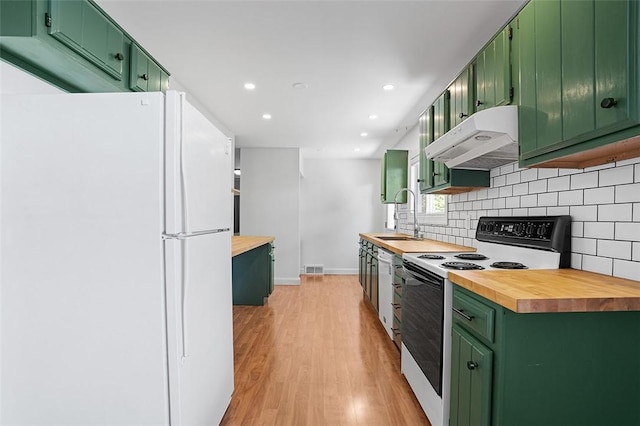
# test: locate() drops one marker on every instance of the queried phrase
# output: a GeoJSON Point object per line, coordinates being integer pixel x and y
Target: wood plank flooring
{"type": "Point", "coordinates": [316, 354]}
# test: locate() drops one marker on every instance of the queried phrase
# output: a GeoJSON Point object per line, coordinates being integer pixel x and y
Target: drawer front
{"type": "Point", "coordinates": [397, 337]}
{"type": "Point", "coordinates": [474, 315]}
{"type": "Point", "coordinates": [397, 308]}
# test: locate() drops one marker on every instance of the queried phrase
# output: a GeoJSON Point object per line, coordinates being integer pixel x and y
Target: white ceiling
{"type": "Point", "coordinates": [345, 51]}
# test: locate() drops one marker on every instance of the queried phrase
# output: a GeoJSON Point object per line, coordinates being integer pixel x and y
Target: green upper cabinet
{"type": "Point", "coordinates": [74, 45]}
{"type": "Point", "coordinates": [492, 72]}
{"type": "Point", "coordinates": [86, 30]}
{"type": "Point", "coordinates": [460, 98]}
{"type": "Point", "coordinates": [425, 126]}
{"type": "Point", "coordinates": [578, 71]}
{"type": "Point", "coordinates": [145, 74]}
{"type": "Point", "coordinates": [394, 176]}
{"type": "Point", "coordinates": [441, 124]}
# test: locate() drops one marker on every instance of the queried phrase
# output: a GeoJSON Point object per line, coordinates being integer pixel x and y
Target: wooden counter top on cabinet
{"type": "Point", "coordinates": [552, 290]}
{"type": "Point", "coordinates": [243, 243]}
{"type": "Point", "coordinates": [413, 246]}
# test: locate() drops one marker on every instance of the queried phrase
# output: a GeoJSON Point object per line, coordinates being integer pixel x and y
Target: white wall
{"type": "Point", "coordinates": [339, 200]}
{"type": "Point", "coordinates": [270, 204]}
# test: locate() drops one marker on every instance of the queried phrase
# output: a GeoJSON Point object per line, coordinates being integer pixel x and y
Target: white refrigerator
{"type": "Point", "coordinates": [115, 261]}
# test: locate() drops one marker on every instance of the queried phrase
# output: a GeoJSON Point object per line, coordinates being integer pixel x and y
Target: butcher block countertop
{"type": "Point", "coordinates": [552, 290]}
{"type": "Point", "coordinates": [413, 246]}
{"type": "Point", "coordinates": [243, 243]}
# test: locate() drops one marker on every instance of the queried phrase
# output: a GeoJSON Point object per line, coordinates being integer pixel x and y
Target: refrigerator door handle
{"type": "Point", "coordinates": [185, 235]}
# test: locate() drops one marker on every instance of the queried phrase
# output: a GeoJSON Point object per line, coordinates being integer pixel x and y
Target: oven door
{"type": "Point", "coordinates": [422, 320]}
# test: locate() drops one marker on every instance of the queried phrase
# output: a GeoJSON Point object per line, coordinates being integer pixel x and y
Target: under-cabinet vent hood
{"type": "Point", "coordinates": [487, 139]}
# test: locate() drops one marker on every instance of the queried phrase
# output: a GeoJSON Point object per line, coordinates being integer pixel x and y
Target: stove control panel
{"type": "Point", "coordinates": [526, 229]}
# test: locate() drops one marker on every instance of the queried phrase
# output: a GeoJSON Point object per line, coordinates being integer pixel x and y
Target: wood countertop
{"type": "Point", "coordinates": [552, 290]}
{"type": "Point", "coordinates": [243, 243]}
{"type": "Point", "coordinates": [414, 246]}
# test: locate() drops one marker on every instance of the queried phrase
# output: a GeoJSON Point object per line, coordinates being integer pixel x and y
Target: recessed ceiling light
{"type": "Point", "coordinates": [249, 86]}
{"type": "Point", "coordinates": [299, 86]}
{"type": "Point", "coordinates": [356, 149]}
{"type": "Point", "coordinates": [373, 117]}
{"type": "Point", "coordinates": [266, 116]}
{"type": "Point", "coordinates": [364, 134]}
{"type": "Point", "coordinates": [388, 87]}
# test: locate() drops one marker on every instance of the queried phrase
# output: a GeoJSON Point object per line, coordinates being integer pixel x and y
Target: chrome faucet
{"type": "Point", "coordinates": [416, 229]}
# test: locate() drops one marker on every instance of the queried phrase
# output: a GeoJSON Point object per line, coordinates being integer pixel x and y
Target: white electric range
{"type": "Point", "coordinates": [535, 242]}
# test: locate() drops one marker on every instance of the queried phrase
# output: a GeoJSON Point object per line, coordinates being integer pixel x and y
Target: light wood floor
{"type": "Point", "coordinates": [316, 354]}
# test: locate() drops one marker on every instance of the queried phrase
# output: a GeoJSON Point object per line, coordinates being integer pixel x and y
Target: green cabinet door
{"type": "Point", "coordinates": [394, 176]}
{"type": "Point", "coordinates": [492, 72]}
{"type": "Point", "coordinates": [425, 123]}
{"type": "Point", "coordinates": [460, 98]}
{"type": "Point", "coordinates": [250, 276]}
{"type": "Point", "coordinates": [145, 74]}
{"type": "Point", "coordinates": [441, 125]}
{"type": "Point", "coordinates": [83, 28]}
{"type": "Point", "coordinates": [471, 380]}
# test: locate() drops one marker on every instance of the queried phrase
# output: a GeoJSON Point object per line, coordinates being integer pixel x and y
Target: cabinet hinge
{"type": "Point", "coordinates": [511, 93]}
{"type": "Point", "coordinates": [510, 33]}
{"type": "Point", "coordinates": [47, 20]}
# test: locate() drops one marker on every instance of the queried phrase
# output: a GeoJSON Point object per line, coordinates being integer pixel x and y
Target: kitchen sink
{"type": "Point", "coordinates": [397, 238]}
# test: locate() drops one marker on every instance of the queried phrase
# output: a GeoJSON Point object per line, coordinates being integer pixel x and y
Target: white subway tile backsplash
{"type": "Point", "coordinates": [571, 198]}
{"type": "Point", "coordinates": [565, 172]}
{"type": "Point", "coordinates": [463, 196]}
{"type": "Point", "coordinates": [635, 160]}
{"type": "Point", "coordinates": [626, 269]}
{"type": "Point", "coordinates": [637, 173]}
{"type": "Point", "coordinates": [538, 186]}
{"type": "Point", "coordinates": [521, 189]}
{"type": "Point", "coordinates": [499, 203]}
{"type": "Point", "coordinates": [513, 178]}
{"type": "Point", "coordinates": [506, 191]}
{"type": "Point", "coordinates": [636, 212]}
{"type": "Point", "coordinates": [628, 193]}
{"type": "Point", "coordinates": [477, 205]}
{"type": "Point", "coordinates": [583, 245]}
{"type": "Point", "coordinates": [577, 229]}
{"type": "Point", "coordinates": [537, 211]}
{"type": "Point", "coordinates": [617, 249]}
{"type": "Point", "coordinates": [493, 193]}
{"type": "Point", "coordinates": [584, 180]}
{"type": "Point", "coordinates": [635, 252]}
{"type": "Point", "coordinates": [599, 265]}
{"type": "Point", "coordinates": [528, 175]}
{"type": "Point", "coordinates": [548, 199]}
{"type": "Point", "coordinates": [600, 167]}
{"type": "Point", "coordinates": [558, 183]}
{"type": "Point", "coordinates": [494, 172]}
{"type": "Point", "coordinates": [547, 173]}
{"type": "Point", "coordinates": [487, 204]}
{"type": "Point", "coordinates": [629, 231]}
{"type": "Point", "coordinates": [576, 261]}
{"type": "Point", "coordinates": [519, 212]}
{"type": "Point", "coordinates": [558, 211]}
{"type": "Point", "coordinates": [512, 202]}
{"type": "Point", "coordinates": [616, 176]}
{"type": "Point", "coordinates": [499, 181]}
{"type": "Point", "coordinates": [599, 195]}
{"type": "Point", "coordinates": [529, 200]}
{"type": "Point", "coordinates": [615, 212]}
{"type": "Point", "coordinates": [481, 194]}
{"type": "Point", "coordinates": [584, 213]}
{"type": "Point", "coordinates": [602, 230]}
{"type": "Point", "coordinates": [506, 169]}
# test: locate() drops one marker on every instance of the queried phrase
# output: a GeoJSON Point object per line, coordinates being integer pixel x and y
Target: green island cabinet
{"type": "Point", "coordinates": [76, 46]}
{"type": "Point", "coordinates": [368, 271]}
{"type": "Point", "coordinates": [435, 177]}
{"type": "Point", "coordinates": [574, 368]}
{"type": "Point", "coordinates": [579, 82]}
{"type": "Point", "coordinates": [252, 275]}
{"type": "Point", "coordinates": [394, 175]}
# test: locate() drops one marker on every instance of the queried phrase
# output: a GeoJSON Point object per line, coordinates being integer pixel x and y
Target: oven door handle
{"type": "Point", "coordinates": [422, 280]}
{"type": "Point", "coordinates": [462, 314]}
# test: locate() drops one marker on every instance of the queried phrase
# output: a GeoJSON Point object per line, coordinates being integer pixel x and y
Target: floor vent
{"type": "Point", "coordinates": [314, 269]}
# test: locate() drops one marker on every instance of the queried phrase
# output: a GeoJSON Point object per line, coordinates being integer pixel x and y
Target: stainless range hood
{"type": "Point", "coordinates": [487, 139]}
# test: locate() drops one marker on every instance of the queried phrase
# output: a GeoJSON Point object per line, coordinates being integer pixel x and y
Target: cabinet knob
{"type": "Point", "coordinates": [435, 174]}
{"type": "Point", "coordinates": [608, 103]}
{"type": "Point", "coordinates": [479, 102]}
{"type": "Point", "coordinates": [472, 365]}
{"type": "Point", "coordinates": [119, 56]}
{"type": "Point", "coordinates": [419, 180]}
{"type": "Point", "coordinates": [462, 115]}
{"type": "Point", "coordinates": [145, 77]}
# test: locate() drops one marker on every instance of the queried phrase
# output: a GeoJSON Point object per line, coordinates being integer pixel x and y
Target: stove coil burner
{"type": "Point", "coordinates": [471, 256]}
{"type": "Point", "coordinates": [508, 265]}
{"type": "Point", "coordinates": [430, 256]}
{"type": "Point", "coordinates": [461, 265]}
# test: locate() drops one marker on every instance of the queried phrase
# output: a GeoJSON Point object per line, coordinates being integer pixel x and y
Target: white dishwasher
{"type": "Point", "coordinates": [385, 290]}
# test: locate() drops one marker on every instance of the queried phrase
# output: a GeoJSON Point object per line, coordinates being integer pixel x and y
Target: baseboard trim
{"type": "Point", "coordinates": [287, 281]}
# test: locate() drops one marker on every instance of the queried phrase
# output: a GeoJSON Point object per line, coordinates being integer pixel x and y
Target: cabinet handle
{"type": "Point", "coordinates": [419, 180]}
{"type": "Point", "coordinates": [479, 102]}
{"type": "Point", "coordinates": [608, 103]}
{"type": "Point", "coordinates": [462, 314]}
{"type": "Point", "coordinates": [435, 174]}
{"type": "Point", "coordinates": [462, 115]}
{"type": "Point", "coordinates": [472, 365]}
{"type": "Point", "coordinates": [145, 77]}
{"type": "Point", "coordinates": [119, 56]}
{"type": "Point", "coordinates": [395, 332]}
{"type": "Point", "coordinates": [396, 305]}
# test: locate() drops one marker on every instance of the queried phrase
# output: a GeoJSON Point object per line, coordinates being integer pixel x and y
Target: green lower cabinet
{"type": "Point", "coordinates": [72, 44]}
{"type": "Point", "coordinates": [471, 376]}
{"type": "Point", "coordinates": [251, 276]}
{"type": "Point", "coordinates": [577, 368]}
